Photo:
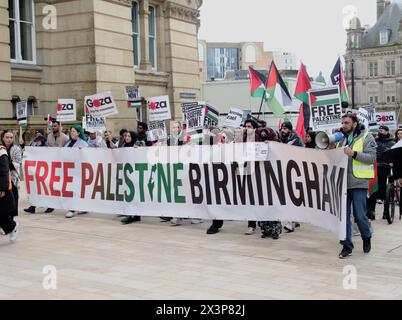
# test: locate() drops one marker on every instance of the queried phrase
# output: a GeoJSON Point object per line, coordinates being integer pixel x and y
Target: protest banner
{"type": "Point", "coordinates": [326, 108]}
{"type": "Point", "coordinates": [234, 118]}
{"type": "Point", "coordinates": [101, 105]}
{"type": "Point", "coordinates": [157, 131]}
{"type": "Point", "coordinates": [158, 108]}
{"type": "Point", "coordinates": [253, 181]}
{"type": "Point", "coordinates": [66, 110]}
{"type": "Point", "coordinates": [133, 97]}
{"type": "Point", "coordinates": [193, 115]}
{"type": "Point", "coordinates": [386, 119]}
{"type": "Point", "coordinates": [22, 113]}
{"type": "Point", "coordinates": [363, 116]}
{"type": "Point", "coordinates": [91, 124]}
{"type": "Point", "coordinates": [211, 117]}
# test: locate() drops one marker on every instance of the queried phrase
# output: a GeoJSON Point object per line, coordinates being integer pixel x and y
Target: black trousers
{"type": "Point", "coordinates": [383, 174]}
{"type": "Point", "coordinates": [219, 223]}
{"type": "Point", "coordinates": [7, 205]}
{"type": "Point", "coordinates": [14, 213]}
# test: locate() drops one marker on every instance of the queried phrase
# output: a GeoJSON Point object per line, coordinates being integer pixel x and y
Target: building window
{"type": "Point", "coordinates": [390, 99]}
{"type": "Point", "coordinates": [371, 99]}
{"type": "Point", "coordinates": [250, 54]}
{"type": "Point", "coordinates": [373, 69]}
{"type": "Point", "coordinates": [22, 31]}
{"type": "Point", "coordinates": [222, 60]}
{"type": "Point", "coordinates": [152, 36]}
{"type": "Point", "coordinates": [390, 68]}
{"type": "Point", "coordinates": [136, 33]}
{"type": "Point", "coordinates": [384, 37]}
{"type": "Point", "coordinates": [376, 99]}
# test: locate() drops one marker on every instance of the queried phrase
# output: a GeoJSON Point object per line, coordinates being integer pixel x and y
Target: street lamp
{"type": "Point", "coordinates": [353, 83]}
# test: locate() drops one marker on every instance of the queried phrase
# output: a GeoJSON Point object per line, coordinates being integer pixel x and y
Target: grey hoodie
{"type": "Point", "coordinates": [369, 155]}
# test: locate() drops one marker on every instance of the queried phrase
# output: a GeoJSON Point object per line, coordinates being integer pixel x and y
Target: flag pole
{"type": "Point", "coordinates": [265, 92]}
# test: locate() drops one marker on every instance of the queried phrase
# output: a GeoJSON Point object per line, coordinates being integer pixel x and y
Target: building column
{"type": "Point", "coordinates": [145, 63]}
{"type": "Point", "coordinates": [6, 110]}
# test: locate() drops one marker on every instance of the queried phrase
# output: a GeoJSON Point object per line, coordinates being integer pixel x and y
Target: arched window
{"type": "Point", "coordinates": [250, 54]}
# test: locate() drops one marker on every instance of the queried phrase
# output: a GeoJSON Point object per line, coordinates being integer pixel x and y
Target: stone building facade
{"type": "Point", "coordinates": [377, 55]}
{"type": "Point", "coordinates": [52, 49]}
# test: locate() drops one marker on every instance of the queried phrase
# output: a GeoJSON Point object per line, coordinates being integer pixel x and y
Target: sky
{"type": "Point", "coordinates": [312, 29]}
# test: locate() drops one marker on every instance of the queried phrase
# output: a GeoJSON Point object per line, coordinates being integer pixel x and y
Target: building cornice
{"type": "Point", "coordinates": [126, 3]}
{"type": "Point", "coordinates": [179, 12]}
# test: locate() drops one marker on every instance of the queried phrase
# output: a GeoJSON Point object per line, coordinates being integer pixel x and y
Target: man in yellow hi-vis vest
{"type": "Point", "coordinates": [360, 147]}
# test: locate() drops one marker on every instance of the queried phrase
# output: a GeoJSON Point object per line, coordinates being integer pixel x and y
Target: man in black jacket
{"type": "Point", "coordinates": [384, 143]}
{"type": "Point", "coordinates": [7, 202]}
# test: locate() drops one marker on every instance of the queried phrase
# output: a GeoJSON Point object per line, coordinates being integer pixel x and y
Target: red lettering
{"type": "Point", "coordinates": [54, 178]}
{"type": "Point", "coordinates": [28, 177]}
{"type": "Point", "coordinates": [86, 167]}
{"type": "Point", "coordinates": [40, 178]}
{"type": "Point", "coordinates": [67, 179]}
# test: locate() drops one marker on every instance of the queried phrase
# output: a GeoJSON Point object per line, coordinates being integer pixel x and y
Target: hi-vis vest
{"type": "Point", "coordinates": [4, 152]}
{"type": "Point", "coordinates": [361, 170]}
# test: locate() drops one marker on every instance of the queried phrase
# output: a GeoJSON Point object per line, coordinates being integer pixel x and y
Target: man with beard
{"type": "Point", "coordinates": [288, 136]}
{"type": "Point", "coordinates": [360, 148]}
{"type": "Point", "coordinates": [384, 143]}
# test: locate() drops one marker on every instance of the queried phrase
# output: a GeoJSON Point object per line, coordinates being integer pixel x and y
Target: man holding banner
{"type": "Point", "coordinates": [360, 147]}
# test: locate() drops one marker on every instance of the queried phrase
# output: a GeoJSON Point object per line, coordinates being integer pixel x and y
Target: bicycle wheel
{"type": "Point", "coordinates": [389, 204]}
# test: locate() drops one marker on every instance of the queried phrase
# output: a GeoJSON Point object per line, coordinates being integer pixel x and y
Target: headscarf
{"type": "Point", "coordinates": [79, 129]}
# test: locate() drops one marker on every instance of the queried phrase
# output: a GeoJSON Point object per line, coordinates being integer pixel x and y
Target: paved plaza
{"type": "Point", "coordinates": [95, 257]}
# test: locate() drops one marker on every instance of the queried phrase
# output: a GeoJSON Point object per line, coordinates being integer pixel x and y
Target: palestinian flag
{"type": "Point", "coordinates": [303, 85]}
{"type": "Point", "coordinates": [278, 96]}
{"type": "Point", "coordinates": [49, 122]}
{"type": "Point", "coordinates": [373, 185]}
{"type": "Point", "coordinates": [257, 81]}
{"type": "Point", "coordinates": [324, 97]}
{"type": "Point", "coordinates": [338, 79]}
{"type": "Point", "coordinates": [134, 104]}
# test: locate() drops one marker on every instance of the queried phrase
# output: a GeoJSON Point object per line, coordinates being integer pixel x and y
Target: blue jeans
{"type": "Point", "coordinates": [357, 197]}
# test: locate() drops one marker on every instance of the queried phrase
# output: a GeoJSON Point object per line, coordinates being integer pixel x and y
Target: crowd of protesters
{"type": "Point", "coordinates": [361, 148]}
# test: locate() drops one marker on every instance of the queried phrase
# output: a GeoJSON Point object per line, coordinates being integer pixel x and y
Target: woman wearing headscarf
{"type": "Point", "coordinates": [7, 202]}
{"type": "Point", "coordinates": [14, 153]}
{"type": "Point", "coordinates": [77, 140]}
{"type": "Point", "coordinates": [130, 142]}
{"type": "Point", "coordinates": [310, 140]}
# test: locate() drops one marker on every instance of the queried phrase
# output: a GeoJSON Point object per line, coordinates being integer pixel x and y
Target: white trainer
{"type": "Point", "coordinates": [250, 231]}
{"type": "Point", "coordinates": [196, 221]}
{"type": "Point", "coordinates": [70, 214]}
{"type": "Point", "coordinates": [14, 234]}
{"type": "Point", "coordinates": [177, 221]}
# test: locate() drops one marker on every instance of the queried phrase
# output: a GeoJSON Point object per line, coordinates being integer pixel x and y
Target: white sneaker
{"type": "Point", "coordinates": [289, 227]}
{"type": "Point", "coordinates": [14, 234]}
{"type": "Point", "coordinates": [196, 221]}
{"type": "Point", "coordinates": [177, 221]}
{"type": "Point", "coordinates": [70, 214]}
{"type": "Point", "coordinates": [250, 231]}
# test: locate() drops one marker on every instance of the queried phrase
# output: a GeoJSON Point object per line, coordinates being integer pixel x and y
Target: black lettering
{"type": "Point", "coordinates": [278, 182]}
{"type": "Point", "coordinates": [312, 185]}
{"type": "Point", "coordinates": [221, 184]}
{"type": "Point", "coordinates": [195, 183]}
{"type": "Point", "coordinates": [297, 201]}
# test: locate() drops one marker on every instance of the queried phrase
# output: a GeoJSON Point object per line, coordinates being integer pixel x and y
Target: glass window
{"type": "Point", "coordinates": [222, 60]}
{"type": "Point", "coordinates": [22, 31]}
{"type": "Point", "coordinates": [384, 34]}
{"type": "Point", "coordinates": [136, 33]}
{"type": "Point", "coordinates": [152, 36]}
{"type": "Point", "coordinates": [390, 66]}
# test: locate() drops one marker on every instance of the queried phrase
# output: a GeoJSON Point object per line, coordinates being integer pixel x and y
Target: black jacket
{"type": "Point", "coordinates": [7, 203]}
{"type": "Point", "coordinates": [383, 144]}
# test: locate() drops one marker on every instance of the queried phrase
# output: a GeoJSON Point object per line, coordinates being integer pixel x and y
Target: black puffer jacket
{"type": "Point", "coordinates": [383, 144]}
{"type": "Point", "coordinates": [7, 203]}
